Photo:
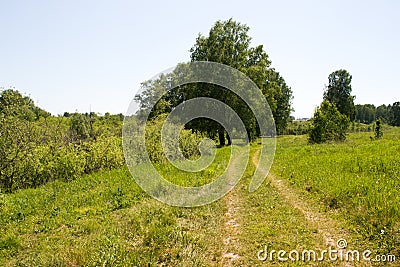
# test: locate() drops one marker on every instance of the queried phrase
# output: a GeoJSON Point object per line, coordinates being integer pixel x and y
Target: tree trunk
{"type": "Point", "coordinates": [221, 136]}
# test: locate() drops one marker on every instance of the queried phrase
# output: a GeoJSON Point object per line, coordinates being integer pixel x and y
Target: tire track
{"type": "Point", "coordinates": [329, 230]}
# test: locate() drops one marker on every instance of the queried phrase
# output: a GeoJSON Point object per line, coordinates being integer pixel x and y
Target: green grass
{"type": "Point", "coordinates": [106, 219]}
{"type": "Point", "coordinates": [359, 179]}
{"type": "Point", "coordinates": [267, 219]}
{"type": "Point", "coordinates": [205, 176]}
{"type": "Point", "coordinates": [103, 218]}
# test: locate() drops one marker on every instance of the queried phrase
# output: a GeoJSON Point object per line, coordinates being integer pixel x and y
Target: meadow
{"type": "Point", "coordinates": [105, 219]}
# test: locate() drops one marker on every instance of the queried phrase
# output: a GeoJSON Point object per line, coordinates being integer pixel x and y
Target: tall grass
{"type": "Point", "coordinates": [105, 219]}
{"type": "Point", "coordinates": [360, 178]}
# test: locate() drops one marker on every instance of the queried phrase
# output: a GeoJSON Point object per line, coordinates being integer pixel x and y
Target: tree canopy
{"type": "Point", "coordinates": [389, 114]}
{"type": "Point", "coordinates": [338, 92]}
{"type": "Point", "coordinates": [12, 103]}
{"type": "Point", "coordinates": [228, 42]}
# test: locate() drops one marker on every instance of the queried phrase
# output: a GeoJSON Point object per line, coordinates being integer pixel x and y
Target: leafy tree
{"type": "Point", "coordinates": [383, 113]}
{"type": "Point", "coordinates": [228, 43]}
{"type": "Point", "coordinates": [80, 128]}
{"type": "Point", "coordinates": [152, 90]}
{"type": "Point", "coordinates": [394, 111]}
{"type": "Point", "coordinates": [282, 98]}
{"type": "Point", "coordinates": [338, 92]}
{"type": "Point", "coordinates": [328, 124]}
{"type": "Point", "coordinates": [12, 103]}
{"type": "Point", "coordinates": [366, 113]}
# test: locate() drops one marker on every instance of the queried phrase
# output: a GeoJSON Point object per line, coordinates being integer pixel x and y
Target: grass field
{"type": "Point", "coordinates": [358, 179]}
{"type": "Point", "coordinates": [105, 219]}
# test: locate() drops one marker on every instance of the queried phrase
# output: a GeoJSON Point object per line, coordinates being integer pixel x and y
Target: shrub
{"type": "Point", "coordinates": [328, 124]}
{"type": "Point", "coordinates": [188, 143]}
{"type": "Point", "coordinates": [104, 153]}
{"type": "Point", "coordinates": [378, 130]}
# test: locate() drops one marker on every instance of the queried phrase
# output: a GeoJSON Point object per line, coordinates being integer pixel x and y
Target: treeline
{"type": "Point", "coordinates": [389, 114]}
{"type": "Point", "coordinates": [332, 119]}
{"type": "Point", "coordinates": [36, 147]}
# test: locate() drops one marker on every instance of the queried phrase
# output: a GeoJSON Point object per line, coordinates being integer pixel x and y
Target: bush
{"type": "Point", "coordinates": [36, 152]}
{"type": "Point", "coordinates": [297, 128]}
{"type": "Point", "coordinates": [105, 153]}
{"type": "Point", "coordinates": [188, 143]}
{"type": "Point", "coordinates": [328, 124]}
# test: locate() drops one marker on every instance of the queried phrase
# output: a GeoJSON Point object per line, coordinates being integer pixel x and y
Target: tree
{"type": "Point", "coordinates": [228, 43]}
{"type": "Point", "coordinates": [338, 92]}
{"type": "Point", "coordinates": [80, 128]}
{"type": "Point", "coordinates": [282, 100]}
{"type": "Point", "coordinates": [328, 124]}
{"type": "Point", "coordinates": [12, 103]}
{"type": "Point", "coordinates": [382, 113]}
{"type": "Point", "coordinates": [394, 111]}
{"type": "Point", "coordinates": [365, 113]}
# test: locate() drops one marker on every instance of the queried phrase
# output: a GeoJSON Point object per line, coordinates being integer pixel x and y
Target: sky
{"type": "Point", "coordinates": [92, 55]}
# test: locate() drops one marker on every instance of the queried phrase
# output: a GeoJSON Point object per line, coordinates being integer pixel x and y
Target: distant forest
{"type": "Point", "coordinates": [368, 113]}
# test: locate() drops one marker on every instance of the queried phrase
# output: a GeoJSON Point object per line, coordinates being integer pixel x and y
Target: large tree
{"type": "Point", "coordinates": [338, 92]}
{"type": "Point", "coordinates": [228, 43]}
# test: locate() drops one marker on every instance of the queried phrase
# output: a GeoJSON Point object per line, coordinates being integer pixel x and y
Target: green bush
{"type": "Point", "coordinates": [36, 148]}
{"type": "Point", "coordinates": [105, 153]}
{"type": "Point", "coordinates": [188, 143]}
{"type": "Point", "coordinates": [297, 128]}
{"type": "Point", "coordinates": [328, 124]}
{"type": "Point", "coordinates": [36, 152]}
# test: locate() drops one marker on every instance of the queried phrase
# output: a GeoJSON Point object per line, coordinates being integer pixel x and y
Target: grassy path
{"type": "Point", "coordinates": [329, 230]}
{"type": "Point", "coordinates": [231, 230]}
{"type": "Point", "coordinates": [105, 219]}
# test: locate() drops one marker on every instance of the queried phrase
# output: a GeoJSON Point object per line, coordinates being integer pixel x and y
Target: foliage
{"type": "Point", "coordinates": [297, 128]}
{"type": "Point", "coordinates": [36, 148]}
{"type": "Point", "coordinates": [338, 92]}
{"type": "Point", "coordinates": [12, 103]}
{"type": "Point", "coordinates": [228, 42]}
{"type": "Point", "coordinates": [80, 126]}
{"type": "Point", "coordinates": [188, 140]}
{"type": "Point", "coordinates": [383, 113]}
{"type": "Point", "coordinates": [378, 130]}
{"type": "Point", "coordinates": [389, 114]}
{"type": "Point", "coordinates": [395, 114]}
{"type": "Point", "coordinates": [365, 113]}
{"type": "Point", "coordinates": [328, 124]}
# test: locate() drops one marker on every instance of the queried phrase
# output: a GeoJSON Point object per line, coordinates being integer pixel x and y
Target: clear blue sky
{"type": "Point", "coordinates": [73, 55]}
